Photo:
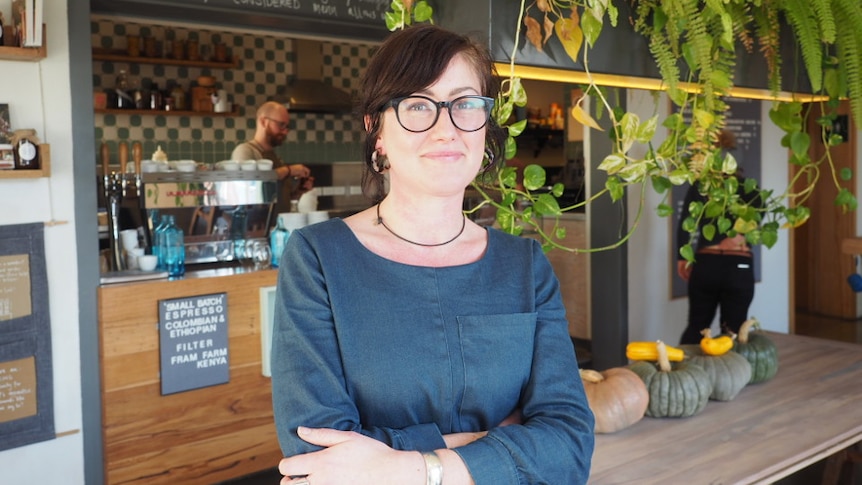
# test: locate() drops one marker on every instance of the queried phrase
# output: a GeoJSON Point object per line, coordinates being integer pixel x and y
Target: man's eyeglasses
{"type": "Point", "coordinates": [419, 113]}
{"type": "Point", "coordinates": [280, 124]}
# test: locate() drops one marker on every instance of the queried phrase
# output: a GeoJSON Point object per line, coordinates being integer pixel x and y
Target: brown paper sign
{"type": "Point", "coordinates": [17, 389]}
{"type": "Point", "coordinates": [15, 301]}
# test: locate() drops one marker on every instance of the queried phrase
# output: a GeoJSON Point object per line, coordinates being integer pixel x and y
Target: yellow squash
{"type": "Point", "coordinates": [715, 346]}
{"type": "Point", "coordinates": [648, 351]}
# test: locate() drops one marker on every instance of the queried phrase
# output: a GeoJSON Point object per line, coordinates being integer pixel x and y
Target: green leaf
{"type": "Point", "coordinates": [713, 209]}
{"type": "Point", "coordinates": [835, 139]}
{"type": "Point", "coordinates": [769, 234]}
{"type": "Point", "coordinates": [509, 177]}
{"type": "Point", "coordinates": [708, 232]}
{"type": "Point", "coordinates": [687, 252]}
{"type": "Point", "coordinates": [560, 232]}
{"type": "Point", "coordinates": [615, 188]}
{"type": "Point", "coordinates": [846, 174]}
{"type": "Point", "coordinates": [846, 200]}
{"type": "Point", "coordinates": [661, 184]}
{"type": "Point", "coordinates": [799, 143]}
{"type": "Point", "coordinates": [612, 163]}
{"type": "Point", "coordinates": [534, 177]}
{"type": "Point", "coordinates": [689, 224]}
{"type": "Point", "coordinates": [558, 189]}
{"type": "Point", "coordinates": [511, 148]}
{"type": "Point", "coordinates": [517, 128]}
{"type": "Point", "coordinates": [592, 27]}
{"type": "Point", "coordinates": [704, 118]}
{"type": "Point", "coordinates": [547, 205]}
{"type": "Point", "coordinates": [723, 225]}
{"type": "Point", "coordinates": [646, 130]}
{"type": "Point", "coordinates": [422, 12]}
{"type": "Point", "coordinates": [664, 210]}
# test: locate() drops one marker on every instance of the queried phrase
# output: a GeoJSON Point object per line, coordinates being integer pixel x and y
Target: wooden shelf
{"type": "Point", "coordinates": [31, 54]}
{"type": "Point", "coordinates": [153, 112]}
{"type": "Point", "coordinates": [120, 56]}
{"type": "Point", "coordinates": [45, 171]}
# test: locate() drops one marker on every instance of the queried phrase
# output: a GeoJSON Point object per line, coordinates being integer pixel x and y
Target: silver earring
{"type": "Point", "coordinates": [384, 162]}
{"type": "Point", "coordinates": [489, 159]}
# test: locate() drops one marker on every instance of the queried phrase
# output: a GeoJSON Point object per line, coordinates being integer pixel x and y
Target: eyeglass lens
{"type": "Point", "coordinates": [418, 113]}
{"type": "Point", "coordinates": [281, 125]}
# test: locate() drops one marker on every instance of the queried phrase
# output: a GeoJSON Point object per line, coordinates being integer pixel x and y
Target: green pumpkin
{"type": "Point", "coordinates": [759, 350]}
{"type": "Point", "coordinates": [675, 391]}
{"type": "Point", "coordinates": [729, 372]}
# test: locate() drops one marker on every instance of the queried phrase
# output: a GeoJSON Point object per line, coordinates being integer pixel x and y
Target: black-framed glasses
{"type": "Point", "coordinates": [420, 113]}
{"type": "Point", "coordinates": [280, 124]}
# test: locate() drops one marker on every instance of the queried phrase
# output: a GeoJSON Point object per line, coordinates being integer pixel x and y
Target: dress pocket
{"type": "Point", "coordinates": [497, 352]}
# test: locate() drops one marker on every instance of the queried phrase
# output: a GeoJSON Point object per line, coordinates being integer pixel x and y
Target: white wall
{"type": "Point", "coordinates": [653, 314]}
{"type": "Point", "coordinates": [38, 95]}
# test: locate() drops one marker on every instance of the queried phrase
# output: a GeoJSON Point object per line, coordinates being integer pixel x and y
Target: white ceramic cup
{"type": "Point", "coordinates": [264, 164]}
{"type": "Point", "coordinates": [248, 165]}
{"type": "Point", "coordinates": [132, 256]}
{"type": "Point", "coordinates": [148, 262]}
{"type": "Point", "coordinates": [129, 238]}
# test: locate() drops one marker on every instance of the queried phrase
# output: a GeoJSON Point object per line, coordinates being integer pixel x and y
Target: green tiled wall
{"type": "Point", "coordinates": [266, 63]}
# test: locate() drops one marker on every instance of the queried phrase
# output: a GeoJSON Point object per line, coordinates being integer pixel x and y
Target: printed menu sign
{"type": "Point", "coordinates": [17, 389]}
{"type": "Point", "coordinates": [15, 286]}
{"type": "Point", "coordinates": [193, 342]}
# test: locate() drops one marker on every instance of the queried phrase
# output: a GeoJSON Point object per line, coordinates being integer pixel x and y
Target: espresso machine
{"type": "Point", "coordinates": [219, 211]}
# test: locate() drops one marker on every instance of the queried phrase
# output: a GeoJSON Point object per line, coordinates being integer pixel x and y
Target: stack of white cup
{"type": "Point", "coordinates": [131, 248]}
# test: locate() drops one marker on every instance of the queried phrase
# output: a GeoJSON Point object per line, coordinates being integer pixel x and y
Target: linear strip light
{"type": "Point", "coordinates": [632, 82]}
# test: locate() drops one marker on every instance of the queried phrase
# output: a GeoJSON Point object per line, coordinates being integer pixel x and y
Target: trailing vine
{"type": "Point", "coordinates": [694, 45]}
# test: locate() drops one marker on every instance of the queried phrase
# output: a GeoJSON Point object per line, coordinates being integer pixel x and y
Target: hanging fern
{"type": "Point", "coordinates": [808, 38]}
{"type": "Point", "coordinates": [849, 48]}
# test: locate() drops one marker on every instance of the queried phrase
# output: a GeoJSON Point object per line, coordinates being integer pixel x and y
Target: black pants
{"type": "Point", "coordinates": [718, 281]}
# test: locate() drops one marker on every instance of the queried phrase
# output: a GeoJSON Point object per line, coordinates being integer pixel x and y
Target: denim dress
{"type": "Point", "coordinates": [406, 354]}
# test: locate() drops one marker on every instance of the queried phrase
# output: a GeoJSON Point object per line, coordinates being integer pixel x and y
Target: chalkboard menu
{"type": "Point", "coordinates": [193, 342]}
{"type": "Point", "coordinates": [26, 375]}
{"type": "Point", "coordinates": [347, 19]}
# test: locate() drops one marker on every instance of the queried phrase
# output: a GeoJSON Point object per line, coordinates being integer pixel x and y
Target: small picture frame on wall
{"type": "Point", "coordinates": [7, 158]}
{"type": "Point", "coordinates": [5, 127]}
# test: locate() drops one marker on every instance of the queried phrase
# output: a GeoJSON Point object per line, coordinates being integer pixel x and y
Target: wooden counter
{"type": "Point", "coordinates": [200, 436]}
{"type": "Point", "coordinates": [808, 411]}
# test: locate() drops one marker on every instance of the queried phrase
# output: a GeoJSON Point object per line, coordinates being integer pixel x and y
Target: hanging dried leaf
{"type": "Point", "coordinates": [571, 36]}
{"type": "Point", "coordinates": [583, 118]}
{"type": "Point", "coordinates": [549, 29]}
{"type": "Point", "coordinates": [534, 32]}
{"type": "Point", "coordinates": [408, 4]}
{"type": "Point", "coordinates": [543, 5]}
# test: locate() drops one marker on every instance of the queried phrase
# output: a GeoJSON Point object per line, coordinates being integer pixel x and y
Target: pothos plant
{"type": "Point", "coordinates": [694, 44]}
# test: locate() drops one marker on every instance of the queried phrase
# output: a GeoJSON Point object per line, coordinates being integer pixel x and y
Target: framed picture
{"type": "Point", "coordinates": [5, 127]}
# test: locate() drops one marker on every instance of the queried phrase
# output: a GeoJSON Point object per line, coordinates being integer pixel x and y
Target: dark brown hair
{"type": "Point", "coordinates": [411, 60]}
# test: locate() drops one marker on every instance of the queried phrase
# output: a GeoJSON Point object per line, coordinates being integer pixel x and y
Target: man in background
{"type": "Point", "coordinates": [271, 130]}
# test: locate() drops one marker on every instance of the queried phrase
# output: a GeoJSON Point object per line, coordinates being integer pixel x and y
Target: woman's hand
{"type": "Point", "coordinates": [350, 457]}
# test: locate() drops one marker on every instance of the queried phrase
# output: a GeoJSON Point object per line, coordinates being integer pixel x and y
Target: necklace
{"type": "Point", "coordinates": [463, 225]}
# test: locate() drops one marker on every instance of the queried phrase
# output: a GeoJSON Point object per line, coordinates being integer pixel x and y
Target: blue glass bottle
{"type": "Point", "coordinates": [173, 249]}
{"type": "Point", "coordinates": [156, 242]}
{"type": "Point", "coordinates": [276, 241]}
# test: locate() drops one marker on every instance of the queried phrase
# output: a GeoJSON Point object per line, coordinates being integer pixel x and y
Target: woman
{"type": "Point", "coordinates": [411, 344]}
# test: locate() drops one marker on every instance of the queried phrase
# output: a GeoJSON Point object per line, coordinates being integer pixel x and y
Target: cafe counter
{"type": "Point", "coordinates": [158, 425]}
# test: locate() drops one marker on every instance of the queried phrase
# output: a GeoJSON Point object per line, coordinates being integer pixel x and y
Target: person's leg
{"type": "Point", "coordinates": [703, 297]}
{"type": "Point", "coordinates": [737, 292]}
